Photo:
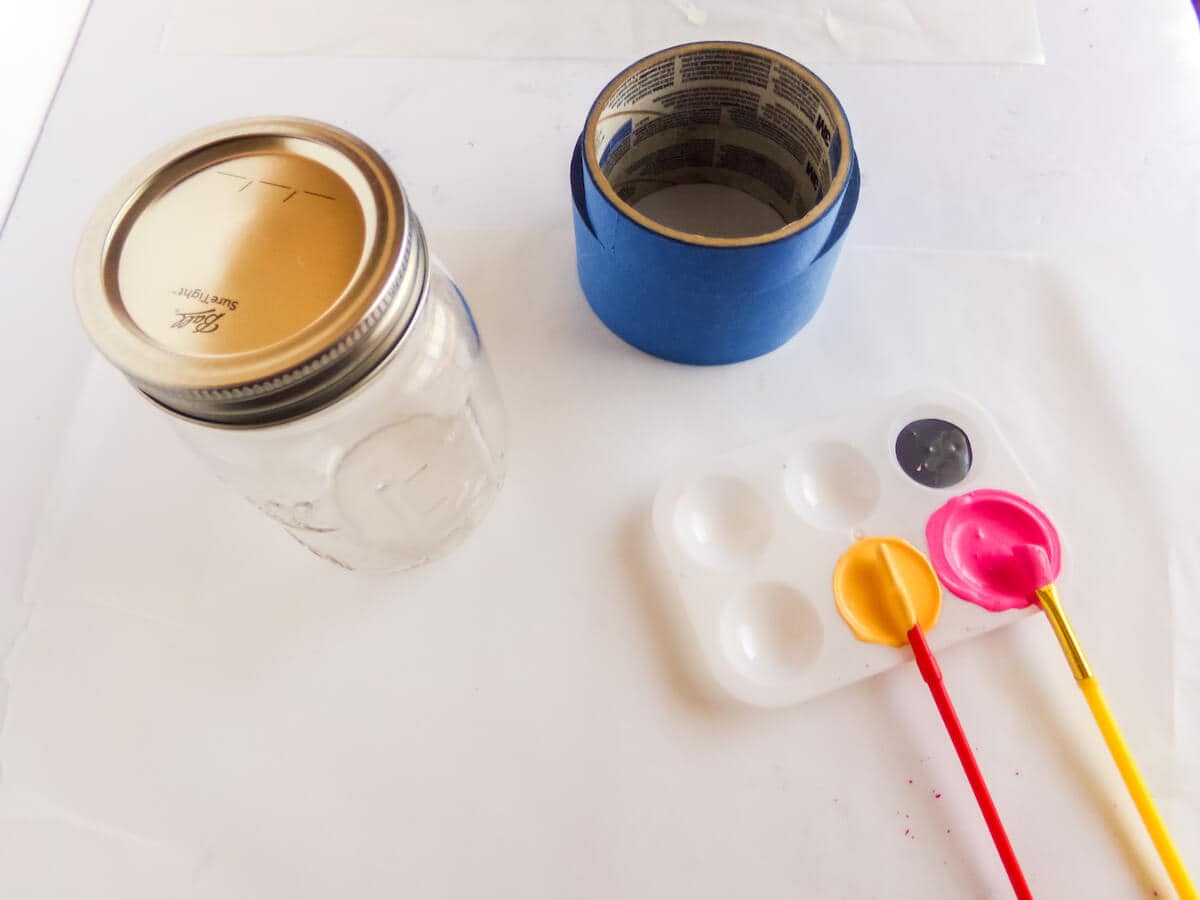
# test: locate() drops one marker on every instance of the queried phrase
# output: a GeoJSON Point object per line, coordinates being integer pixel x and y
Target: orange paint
{"type": "Point", "coordinates": [880, 584]}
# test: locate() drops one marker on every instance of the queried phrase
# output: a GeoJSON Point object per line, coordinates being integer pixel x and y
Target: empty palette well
{"type": "Point", "coordinates": [831, 484]}
{"type": "Point", "coordinates": [770, 632]}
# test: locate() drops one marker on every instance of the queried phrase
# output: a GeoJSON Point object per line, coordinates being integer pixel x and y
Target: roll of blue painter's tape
{"type": "Point", "coordinates": [723, 113]}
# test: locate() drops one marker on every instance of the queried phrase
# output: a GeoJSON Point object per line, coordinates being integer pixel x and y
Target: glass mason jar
{"type": "Point", "coordinates": [266, 283]}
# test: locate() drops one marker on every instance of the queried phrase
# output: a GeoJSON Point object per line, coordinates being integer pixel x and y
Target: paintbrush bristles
{"type": "Point", "coordinates": [1035, 564]}
{"type": "Point", "coordinates": [908, 615]}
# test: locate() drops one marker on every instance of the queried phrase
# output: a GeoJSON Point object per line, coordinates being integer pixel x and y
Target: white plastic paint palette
{"type": "Point", "coordinates": [751, 540]}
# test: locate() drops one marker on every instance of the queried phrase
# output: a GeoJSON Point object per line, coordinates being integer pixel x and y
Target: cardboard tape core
{"type": "Point", "coordinates": [734, 115]}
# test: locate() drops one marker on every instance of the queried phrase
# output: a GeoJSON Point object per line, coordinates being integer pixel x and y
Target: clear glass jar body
{"type": "Point", "coordinates": [398, 471]}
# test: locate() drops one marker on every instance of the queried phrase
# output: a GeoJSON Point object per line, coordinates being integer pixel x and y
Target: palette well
{"type": "Point", "coordinates": [751, 539]}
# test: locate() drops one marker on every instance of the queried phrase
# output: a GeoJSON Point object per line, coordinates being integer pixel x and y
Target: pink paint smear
{"type": "Point", "coordinates": [993, 549]}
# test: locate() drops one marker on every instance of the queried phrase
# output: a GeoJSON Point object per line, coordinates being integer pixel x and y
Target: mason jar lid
{"type": "Point", "coordinates": [252, 272]}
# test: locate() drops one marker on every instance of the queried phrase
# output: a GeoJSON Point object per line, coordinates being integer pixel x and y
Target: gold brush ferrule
{"type": "Point", "coordinates": [1052, 606]}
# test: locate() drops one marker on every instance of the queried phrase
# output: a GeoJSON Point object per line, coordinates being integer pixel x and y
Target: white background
{"type": "Point", "coordinates": [35, 42]}
{"type": "Point", "coordinates": [194, 707]}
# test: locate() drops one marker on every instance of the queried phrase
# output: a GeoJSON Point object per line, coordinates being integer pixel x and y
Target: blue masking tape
{"type": "Point", "coordinates": [726, 113]}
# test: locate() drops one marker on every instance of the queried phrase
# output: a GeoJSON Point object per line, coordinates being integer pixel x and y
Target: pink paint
{"type": "Point", "coordinates": [990, 547]}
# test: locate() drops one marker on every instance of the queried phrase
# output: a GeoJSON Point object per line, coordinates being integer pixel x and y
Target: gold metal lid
{"type": "Point", "coordinates": [252, 272]}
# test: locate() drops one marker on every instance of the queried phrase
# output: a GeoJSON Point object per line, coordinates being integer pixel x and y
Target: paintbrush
{"type": "Point", "coordinates": [1031, 565]}
{"type": "Point", "coordinates": [884, 588]}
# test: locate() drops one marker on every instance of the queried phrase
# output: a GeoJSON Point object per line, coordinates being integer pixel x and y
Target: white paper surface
{"type": "Point", "coordinates": [35, 42]}
{"type": "Point", "coordinates": [521, 720]}
{"type": "Point", "coordinates": [943, 31]}
{"type": "Point", "coordinates": [198, 690]}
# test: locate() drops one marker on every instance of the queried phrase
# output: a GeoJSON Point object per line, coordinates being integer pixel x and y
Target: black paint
{"type": "Point", "coordinates": [934, 452]}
